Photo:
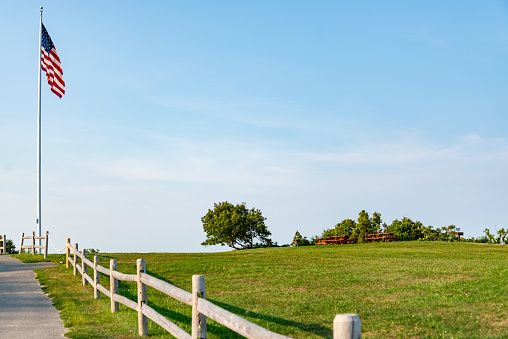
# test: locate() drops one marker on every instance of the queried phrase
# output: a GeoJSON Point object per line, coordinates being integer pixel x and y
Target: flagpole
{"type": "Point", "coordinates": [39, 136]}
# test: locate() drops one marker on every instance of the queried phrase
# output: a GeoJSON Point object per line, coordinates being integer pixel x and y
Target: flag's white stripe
{"type": "Point", "coordinates": [57, 91]}
{"type": "Point", "coordinates": [51, 65]}
{"type": "Point", "coordinates": [55, 61]}
{"type": "Point", "coordinates": [59, 84]}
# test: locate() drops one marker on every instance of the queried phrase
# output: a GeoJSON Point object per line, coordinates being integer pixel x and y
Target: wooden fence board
{"type": "Point", "coordinates": [124, 277]}
{"type": "Point", "coordinates": [172, 291]}
{"type": "Point", "coordinates": [103, 270]}
{"type": "Point", "coordinates": [104, 290]}
{"type": "Point", "coordinates": [165, 323]}
{"type": "Point", "coordinates": [235, 322]}
{"type": "Point", "coordinates": [125, 301]}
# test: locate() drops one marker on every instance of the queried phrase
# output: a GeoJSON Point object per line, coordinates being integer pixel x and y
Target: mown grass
{"type": "Point", "coordinates": [399, 290]}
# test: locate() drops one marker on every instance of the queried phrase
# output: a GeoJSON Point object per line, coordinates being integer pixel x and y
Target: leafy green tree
{"type": "Point", "coordinates": [234, 226]}
{"type": "Point", "coordinates": [375, 222]}
{"type": "Point", "coordinates": [447, 233]}
{"type": "Point", "coordinates": [429, 234]}
{"type": "Point", "coordinates": [9, 246]}
{"type": "Point", "coordinates": [366, 225]}
{"type": "Point", "coordinates": [503, 235]}
{"type": "Point", "coordinates": [450, 232]}
{"type": "Point", "coordinates": [345, 227]}
{"type": "Point", "coordinates": [329, 233]}
{"type": "Point", "coordinates": [356, 229]}
{"type": "Point", "coordinates": [298, 240]}
{"type": "Point", "coordinates": [407, 229]}
{"type": "Point", "coordinates": [500, 239]}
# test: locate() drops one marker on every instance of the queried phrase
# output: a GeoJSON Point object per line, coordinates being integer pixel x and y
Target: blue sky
{"type": "Point", "coordinates": [308, 111]}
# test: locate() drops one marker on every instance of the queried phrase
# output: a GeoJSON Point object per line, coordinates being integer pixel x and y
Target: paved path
{"type": "Point", "coordinates": [25, 312]}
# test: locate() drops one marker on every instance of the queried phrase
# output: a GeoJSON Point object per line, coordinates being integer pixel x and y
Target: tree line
{"type": "Point", "coordinates": [238, 227]}
{"type": "Point", "coordinates": [404, 229]}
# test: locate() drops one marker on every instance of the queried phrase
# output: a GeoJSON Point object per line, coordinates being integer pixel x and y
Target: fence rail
{"type": "Point", "coordinates": [33, 246]}
{"type": "Point", "coordinates": [3, 248]}
{"type": "Point", "coordinates": [348, 326]}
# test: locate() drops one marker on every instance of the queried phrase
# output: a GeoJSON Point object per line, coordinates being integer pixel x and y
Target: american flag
{"type": "Point", "coordinates": [50, 63]}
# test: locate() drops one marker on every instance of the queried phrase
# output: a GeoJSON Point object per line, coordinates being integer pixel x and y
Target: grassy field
{"type": "Point", "coordinates": [399, 290]}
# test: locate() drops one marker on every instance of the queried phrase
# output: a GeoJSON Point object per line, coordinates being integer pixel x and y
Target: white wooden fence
{"type": "Point", "coordinates": [346, 326]}
{"type": "Point", "coordinates": [33, 246]}
{"type": "Point", "coordinates": [3, 248]}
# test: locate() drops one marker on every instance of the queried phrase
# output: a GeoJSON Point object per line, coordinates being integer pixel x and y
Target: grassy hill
{"type": "Point", "coordinates": [401, 289]}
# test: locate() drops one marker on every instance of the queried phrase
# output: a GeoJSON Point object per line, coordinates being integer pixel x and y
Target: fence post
{"type": "Point", "coordinates": [113, 285]}
{"type": "Point", "coordinates": [21, 246]}
{"type": "Point", "coordinates": [142, 319]}
{"type": "Point", "coordinates": [4, 244]}
{"type": "Point", "coordinates": [33, 242]}
{"type": "Point", "coordinates": [46, 247]}
{"type": "Point", "coordinates": [96, 278]}
{"type": "Point", "coordinates": [75, 269]}
{"type": "Point", "coordinates": [347, 326]}
{"type": "Point", "coordinates": [198, 319]}
{"type": "Point", "coordinates": [84, 269]}
{"type": "Point", "coordinates": [67, 252]}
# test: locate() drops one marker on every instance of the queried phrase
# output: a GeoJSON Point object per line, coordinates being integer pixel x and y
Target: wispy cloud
{"type": "Point", "coordinates": [249, 164]}
{"type": "Point", "coordinates": [249, 111]}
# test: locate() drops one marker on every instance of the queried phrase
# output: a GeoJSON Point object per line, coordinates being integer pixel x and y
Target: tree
{"type": "Point", "coordinates": [363, 226]}
{"type": "Point", "coordinates": [356, 229]}
{"type": "Point", "coordinates": [366, 225]}
{"type": "Point", "coordinates": [375, 222]}
{"type": "Point", "coordinates": [345, 227]}
{"type": "Point", "coordinates": [502, 236]}
{"type": "Point", "coordinates": [9, 246]}
{"type": "Point", "coordinates": [235, 226]}
{"type": "Point", "coordinates": [298, 240]}
{"type": "Point", "coordinates": [429, 233]}
{"type": "Point", "coordinates": [407, 229]}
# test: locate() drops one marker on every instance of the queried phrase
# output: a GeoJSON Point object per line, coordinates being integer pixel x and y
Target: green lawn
{"type": "Point", "coordinates": [400, 289]}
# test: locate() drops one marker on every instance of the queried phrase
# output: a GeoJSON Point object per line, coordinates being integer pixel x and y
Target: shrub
{"type": "Point", "coordinates": [482, 239]}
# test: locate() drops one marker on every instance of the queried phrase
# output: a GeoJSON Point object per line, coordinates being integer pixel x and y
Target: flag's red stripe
{"type": "Point", "coordinates": [50, 63]}
{"type": "Point", "coordinates": [55, 61]}
{"type": "Point", "coordinates": [57, 93]}
{"type": "Point", "coordinates": [58, 85]}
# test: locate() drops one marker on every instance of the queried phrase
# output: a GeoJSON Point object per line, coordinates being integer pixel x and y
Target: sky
{"type": "Point", "coordinates": [309, 111]}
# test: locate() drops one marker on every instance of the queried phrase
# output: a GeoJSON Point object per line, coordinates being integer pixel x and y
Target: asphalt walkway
{"type": "Point", "coordinates": [25, 311]}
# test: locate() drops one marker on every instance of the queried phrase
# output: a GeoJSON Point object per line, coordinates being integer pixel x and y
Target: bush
{"type": "Point", "coordinates": [482, 240]}
{"type": "Point", "coordinates": [269, 243]}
